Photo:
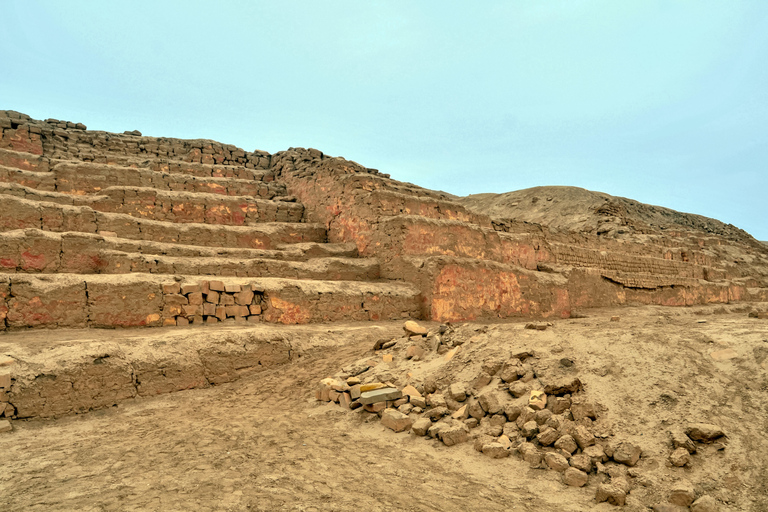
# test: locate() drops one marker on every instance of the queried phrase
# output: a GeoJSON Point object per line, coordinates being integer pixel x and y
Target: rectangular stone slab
{"type": "Point", "coordinates": [380, 395]}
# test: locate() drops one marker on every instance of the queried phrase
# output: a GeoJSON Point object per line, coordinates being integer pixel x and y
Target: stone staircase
{"type": "Point", "coordinates": [109, 230]}
{"type": "Point", "coordinates": [102, 229]}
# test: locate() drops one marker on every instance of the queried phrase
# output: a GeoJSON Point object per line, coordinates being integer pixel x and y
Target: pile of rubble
{"type": "Point", "coordinates": [509, 409]}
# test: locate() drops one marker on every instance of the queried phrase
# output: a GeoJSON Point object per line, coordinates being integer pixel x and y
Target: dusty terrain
{"type": "Point", "coordinates": [264, 443]}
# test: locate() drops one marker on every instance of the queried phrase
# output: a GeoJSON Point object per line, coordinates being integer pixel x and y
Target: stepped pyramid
{"type": "Point", "coordinates": [101, 229]}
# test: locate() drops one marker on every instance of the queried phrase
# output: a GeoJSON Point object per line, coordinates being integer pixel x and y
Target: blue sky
{"type": "Point", "coordinates": [663, 102]}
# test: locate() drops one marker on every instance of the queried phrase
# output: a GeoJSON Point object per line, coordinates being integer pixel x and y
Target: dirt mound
{"type": "Point", "coordinates": [574, 209]}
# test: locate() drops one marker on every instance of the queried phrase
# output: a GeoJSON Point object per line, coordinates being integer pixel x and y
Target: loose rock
{"type": "Point", "coordinates": [575, 477]}
{"type": "Point", "coordinates": [680, 457]}
{"type": "Point", "coordinates": [395, 420]}
{"type": "Point", "coordinates": [704, 432]}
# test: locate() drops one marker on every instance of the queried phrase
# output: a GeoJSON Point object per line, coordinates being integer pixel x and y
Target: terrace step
{"type": "Point", "coordinates": [25, 247]}
{"type": "Point", "coordinates": [33, 251]}
{"type": "Point", "coordinates": [135, 300]}
{"type": "Point", "coordinates": [86, 178]}
{"type": "Point", "coordinates": [23, 213]}
{"type": "Point", "coordinates": [180, 207]}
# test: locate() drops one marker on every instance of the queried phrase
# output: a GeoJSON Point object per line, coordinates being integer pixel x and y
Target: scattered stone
{"type": "Point", "coordinates": [537, 400]}
{"type": "Point", "coordinates": [581, 462]}
{"type": "Point", "coordinates": [462, 413]}
{"type": "Point", "coordinates": [411, 328]}
{"type": "Point", "coordinates": [457, 392]}
{"type": "Point", "coordinates": [547, 436]}
{"type": "Point", "coordinates": [575, 477]}
{"type": "Point", "coordinates": [595, 453]}
{"type": "Point", "coordinates": [627, 453]}
{"type": "Point", "coordinates": [680, 457]}
{"type": "Point", "coordinates": [556, 461]}
{"type": "Point", "coordinates": [543, 416]}
{"type": "Point", "coordinates": [559, 405]}
{"type": "Point", "coordinates": [380, 395]}
{"type": "Point", "coordinates": [505, 442]}
{"type": "Point", "coordinates": [583, 437]}
{"type": "Point", "coordinates": [449, 355]}
{"type": "Point", "coordinates": [5, 426]}
{"type": "Point", "coordinates": [387, 358]}
{"type": "Point", "coordinates": [414, 352]}
{"type": "Point", "coordinates": [372, 386]}
{"type": "Point", "coordinates": [436, 400]}
{"type": "Point", "coordinates": [519, 389]}
{"type": "Point", "coordinates": [512, 411]}
{"type": "Point", "coordinates": [704, 432]}
{"type": "Point", "coordinates": [536, 326]}
{"type": "Point", "coordinates": [682, 494]}
{"type": "Point", "coordinates": [353, 381]}
{"type": "Point", "coordinates": [395, 420]}
{"type": "Point", "coordinates": [388, 344]}
{"type": "Point", "coordinates": [705, 504]}
{"type": "Point", "coordinates": [680, 440]}
{"type": "Point", "coordinates": [418, 401]}
{"type": "Point", "coordinates": [562, 386]}
{"type": "Point", "coordinates": [529, 429]}
{"type": "Point", "coordinates": [375, 408]}
{"type": "Point", "coordinates": [420, 426]}
{"type": "Point", "coordinates": [471, 422]}
{"type": "Point", "coordinates": [411, 392]}
{"type": "Point", "coordinates": [495, 450]}
{"type": "Point", "coordinates": [436, 413]}
{"type": "Point", "coordinates": [454, 434]}
{"type": "Point", "coordinates": [615, 318]}
{"type": "Point", "coordinates": [482, 380]}
{"type": "Point", "coordinates": [405, 408]}
{"type": "Point", "coordinates": [611, 493]}
{"type": "Point", "coordinates": [581, 410]}
{"type": "Point", "coordinates": [566, 443]}
{"type": "Point", "coordinates": [530, 454]}
{"type": "Point", "coordinates": [490, 402]}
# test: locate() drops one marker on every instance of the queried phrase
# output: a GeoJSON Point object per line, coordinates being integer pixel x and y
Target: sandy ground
{"type": "Point", "coordinates": [263, 442]}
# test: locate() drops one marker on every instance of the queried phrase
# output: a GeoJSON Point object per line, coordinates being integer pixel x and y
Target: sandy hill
{"type": "Point", "coordinates": [574, 209]}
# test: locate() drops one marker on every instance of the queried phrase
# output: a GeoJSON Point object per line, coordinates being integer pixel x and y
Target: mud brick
{"type": "Point", "coordinates": [190, 288]}
{"type": "Point", "coordinates": [256, 288]}
{"type": "Point", "coordinates": [377, 407]}
{"type": "Point", "coordinates": [226, 299]}
{"type": "Point", "coordinates": [212, 297]}
{"type": "Point", "coordinates": [221, 312]}
{"type": "Point", "coordinates": [192, 309]}
{"type": "Point", "coordinates": [244, 297]}
{"type": "Point", "coordinates": [232, 288]}
{"type": "Point", "coordinates": [205, 287]}
{"type": "Point", "coordinates": [173, 288]}
{"type": "Point", "coordinates": [211, 320]}
{"type": "Point", "coordinates": [197, 319]}
{"type": "Point", "coordinates": [173, 310]}
{"type": "Point", "coordinates": [195, 298]}
{"type": "Point", "coordinates": [5, 380]}
{"type": "Point", "coordinates": [180, 320]}
{"type": "Point", "coordinates": [175, 300]}
{"type": "Point", "coordinates": [169, 322]}
{"type": "Point", "coordinates": [209, 309]}
{"type": "Point", "coordinates": [255, 309]}
{"type": "Point", "coordinates": [216, 286]}
{"type": "Point", "coordinates": [253, 319]}
{"type": "Point", "coordinates": [237, 311]}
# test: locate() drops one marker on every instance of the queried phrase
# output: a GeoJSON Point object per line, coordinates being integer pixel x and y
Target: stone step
{"type": "Point", "coordinates": [33, 250]}
{"type": "Point", "coordinates": [23, 213]}
{"type": "Point", "coordinates": [84, 178]}
{"type": "Point", "coordinates": [147, 300]}
{"type": "Point", "coordinates": [181, 207]}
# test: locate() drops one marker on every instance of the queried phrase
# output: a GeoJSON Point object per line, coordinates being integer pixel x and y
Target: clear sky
{"type": "Point", "coordinates": [661, 101]}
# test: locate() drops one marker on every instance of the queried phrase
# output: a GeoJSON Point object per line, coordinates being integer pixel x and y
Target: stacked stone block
{"type": "Point", "coordinates": [211, 302]}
